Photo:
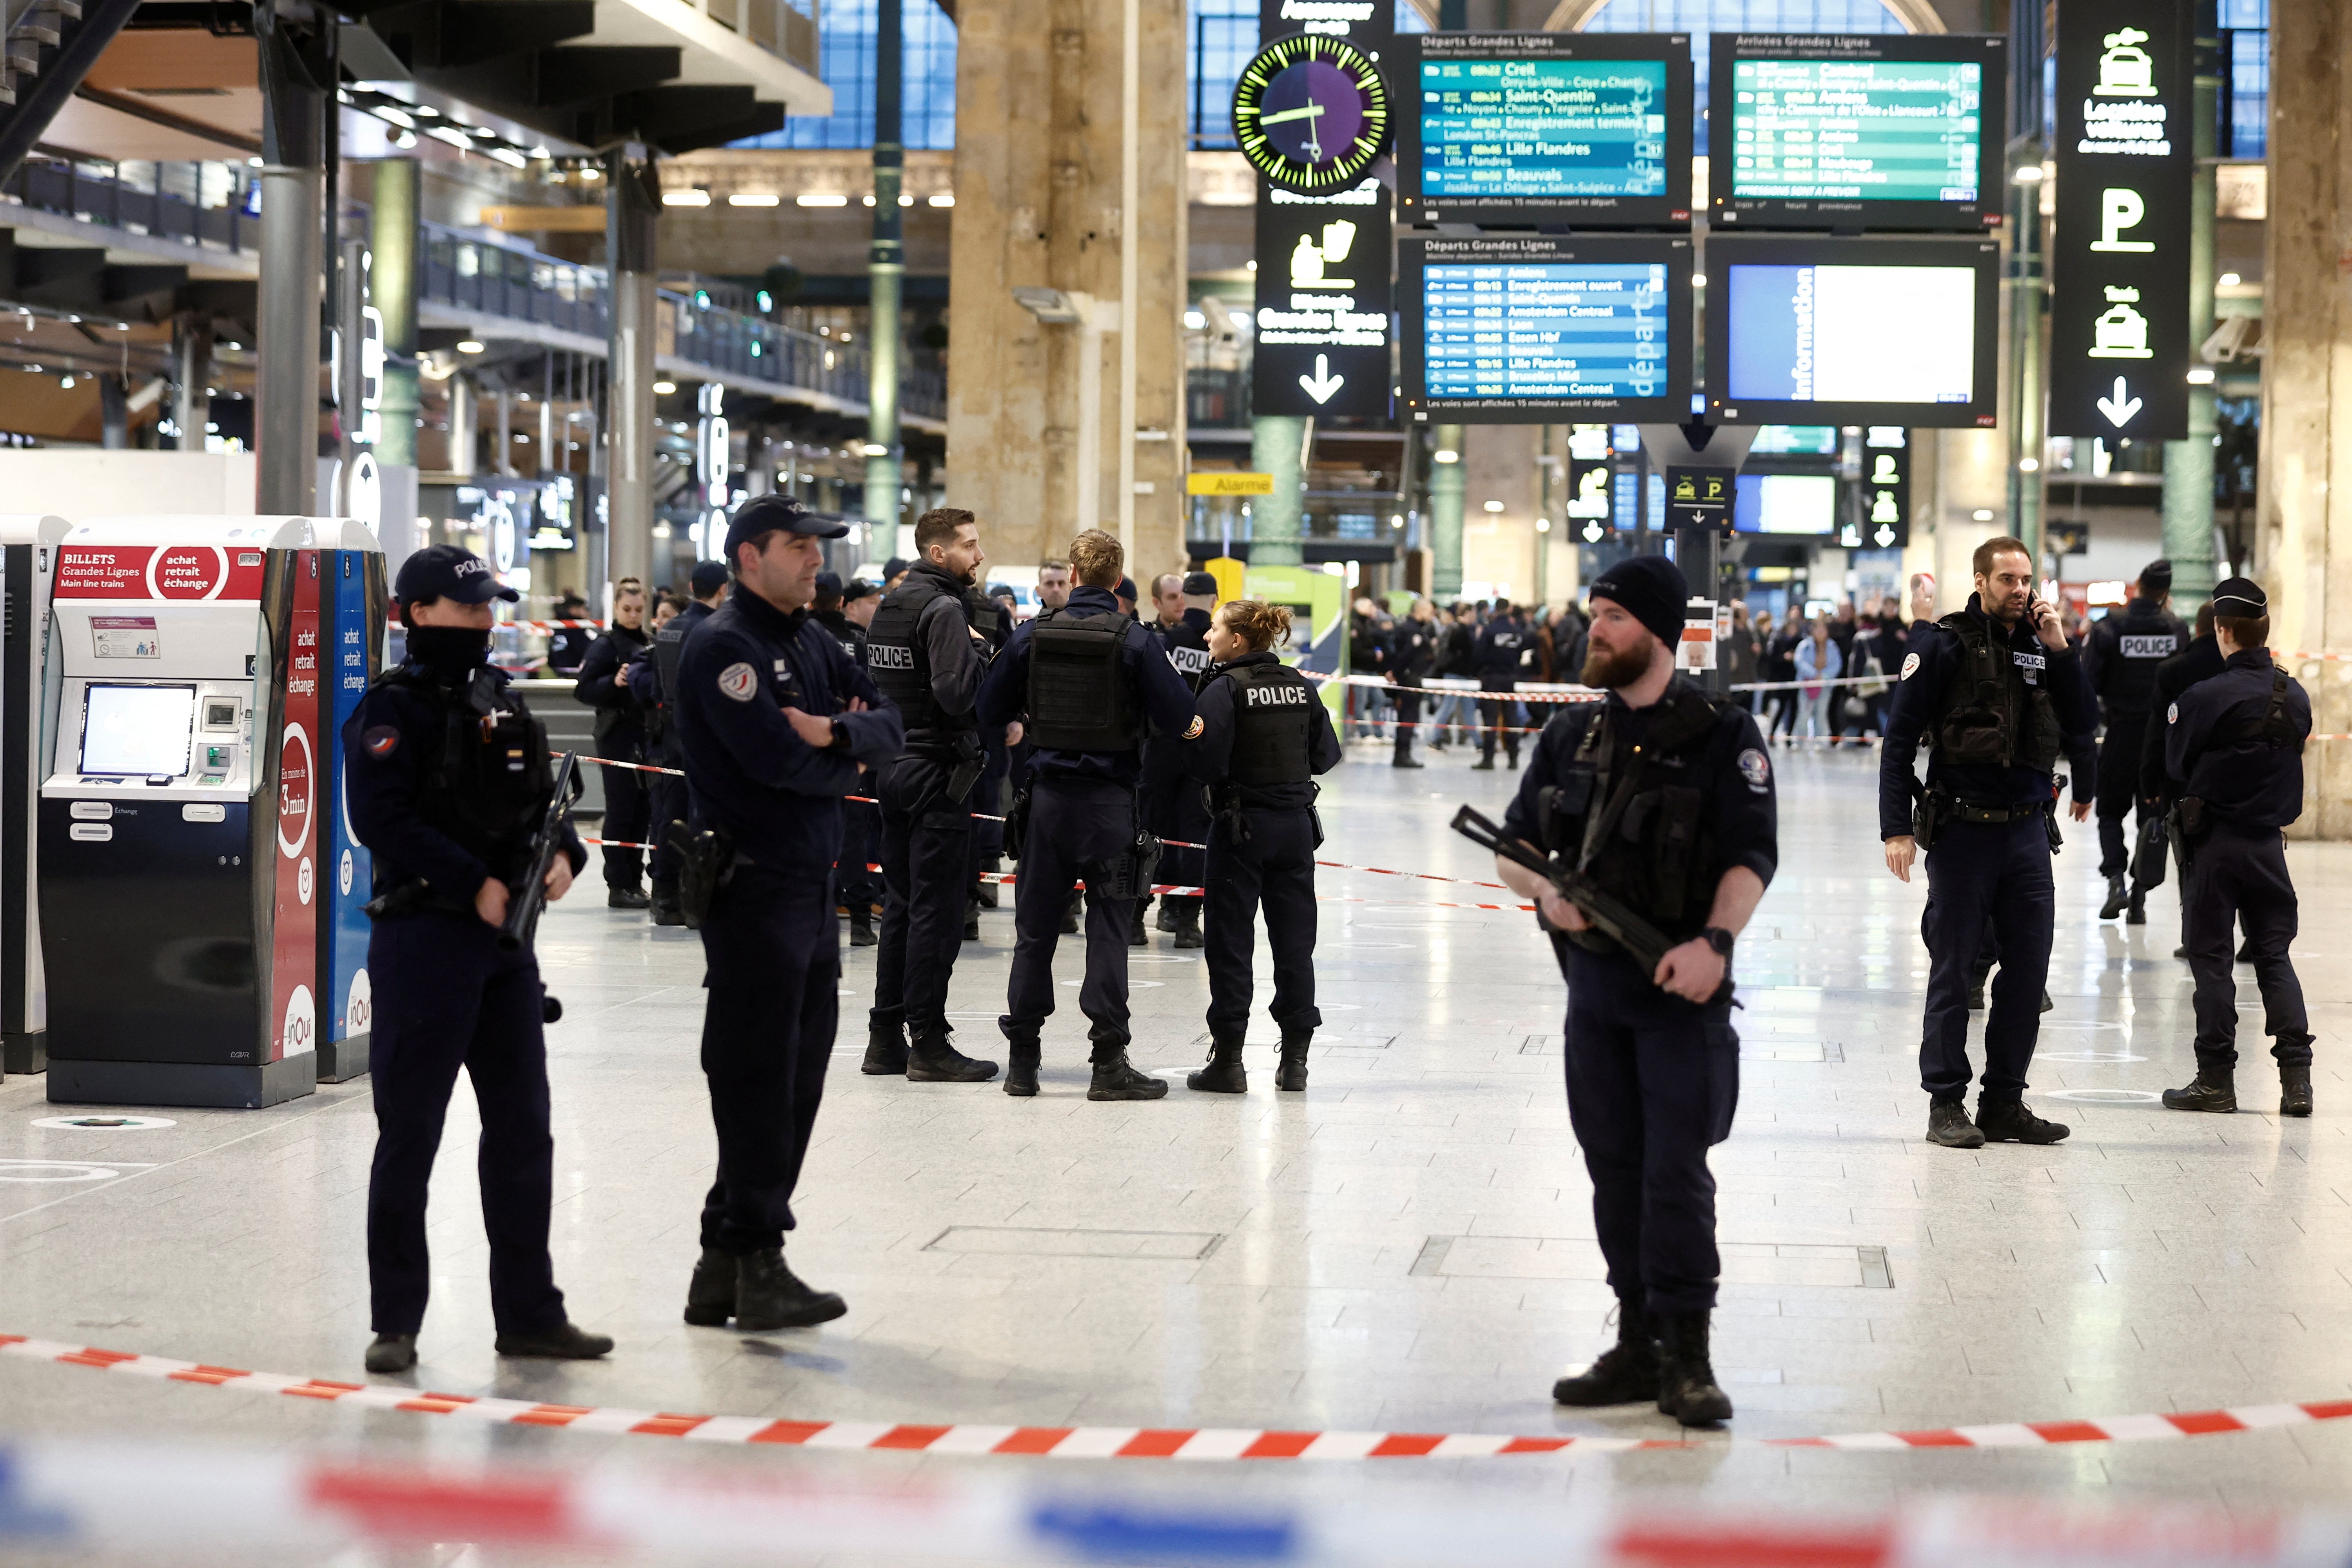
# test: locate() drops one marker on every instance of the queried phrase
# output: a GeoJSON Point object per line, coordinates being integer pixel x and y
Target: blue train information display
{"type": "Point", "coordinates": [1524, 126]}
{"type": "Point", "coordinates": [1534, 330]}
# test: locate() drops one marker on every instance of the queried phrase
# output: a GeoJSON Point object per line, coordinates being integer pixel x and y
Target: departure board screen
{"type": "Point", "coordinates": [1864, 131]}
{"type": "Point", "coordinates": [1515, 125]}
{"type": "Point", "coordinates": [1537, 328]}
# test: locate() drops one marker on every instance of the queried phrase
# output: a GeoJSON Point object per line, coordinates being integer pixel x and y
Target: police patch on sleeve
{"type": "Point", "coordinates": [2172, 714]}
{"type": "Point", "coordinates": [1756, 768]}
{"type": "Point", "coordinates": [739, 681]}
{"type": "Point", "coordinates": [1910, 666]}
{"type": "Point", "coordinates": [381, 742]}
{"type": "Point", "coordinates": [1193, 731]}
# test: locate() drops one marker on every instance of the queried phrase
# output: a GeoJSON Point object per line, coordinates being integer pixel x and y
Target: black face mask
{"type": "Point", "coordinates": [452, 648]}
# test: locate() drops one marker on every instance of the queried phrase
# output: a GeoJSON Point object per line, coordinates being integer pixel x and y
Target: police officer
{"type": "Point", "coordinates": [1662, 796]}
{"type": "Point", "coordinates": [653, 675]}
{"type": "Point", "coordinates": [861, 820]}
{"type": "Point", "coordinates": [1172, 806]}
{"type": "Point", "coordinates": [1084, 680]}
{"type": "Point", "coordinates": [2120, 657]}
{"type": "Point", "coordinates": [2233, 745]}
{"type": "Point", "coordinates": [1265, 734]}
{"type": "Point", "coordinates": [620, 736]}
{"type": "Point", "coordinates": [449, 783]}
{"type": "Point", "coordinates": [2201, 661]}
{"type": "Point", "coordinates": [1412, 648]}
{"type": "Point", "coordinates": [773, 719]}
{"type": "Point", "coordinates": [575, 633]}
{"type": "Point", "coordinates": [1502, 647]}
{"type": "Point", "coordinates": [1994, 688]}
{"type": "Point", "coordinates": [926, 656]}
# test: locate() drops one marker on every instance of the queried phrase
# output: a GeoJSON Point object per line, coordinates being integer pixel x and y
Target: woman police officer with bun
{"type": "Point", "coordinates": [1265, 734]}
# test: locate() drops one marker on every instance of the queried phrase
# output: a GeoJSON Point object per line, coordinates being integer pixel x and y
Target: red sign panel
{"type": "Point", "coordinates": [293, 1007]}
{"type": "Point", "coordinates": [183, 572]}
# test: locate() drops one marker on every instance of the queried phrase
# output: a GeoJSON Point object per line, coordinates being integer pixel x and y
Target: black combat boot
{"type": "Point", "coordinates": [1291, 1074]}
{"type": "Point", "coordinates": [1070, 917]}
{"type": "Point", "coordinates": [1165, 919]}
{"type": "Point", "coordinates": [1188, 924]}
{"type": "Point", "coordinates": [989, 893]}
{"type": "Point", "coordinates": [861, 927]}
{"type": "Point", "coordinates": [1686, 1388]}
{"type": "Point", "coordinates": [886, 1051]}
{"type": "Point", "coordinates": [770, 1296]}
{"type": "Point", "coordinates": [2294, 1089]}
{"type": "Point", "coordinates": [664, 907]}
{"type": "Point", "coordinates": [1627, 1372]}
{"type": "Point", "coordinates": [2136, 912]}
{"type": "Point", "coordinates": [934, 1059]}
{"type": "Point", "coordinates": [1223, 1075]}
{"type": "Point", "coordinates": [711, 1294]}
{"type": "Point", "coordinates": [1485, 764]}
{"type": "Point", "coordinates": [1405, 750]}
{"type": "Point", "coordinates": [2213, 1088]}
{"type": "Point", "coordinates": [2008, 1122]}
{"type": "Point", "coordinates": [1021, 1069]}
{"type": "Point", "coordinates": [392, 1353]}
{"type": "Point", "coordinates": [971, 921]}
{"type": "Point", "coordinates": [1117, 1078]}
{"type": "Point", "coordinates": [1512, 751]}
{"type": "Point", "coordinates": [1948, 1124]}
{"type": "Point", "coordinates": [1136, 935]}
{"type": "Point", "coordinates": [625, 898]}
{"type": "Point", "coordinates": [2117, 895]}
{"type": "Point", "coordinates": [565, 1341]}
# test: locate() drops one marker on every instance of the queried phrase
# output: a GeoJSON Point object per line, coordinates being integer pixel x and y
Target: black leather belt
{"type": "Point", "coordinates": [1977, 811]}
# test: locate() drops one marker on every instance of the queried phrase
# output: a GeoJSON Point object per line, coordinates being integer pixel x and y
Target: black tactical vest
{"type": "Point", "coordinates": [1634, 817]}
{"type": "Point", "coordinates": [2131, 647]}
{"type": "Point", "coordinates": [1078, 696]}
{"type": "Point", "coordinates": [1188, 652]}
{"type": "Point", "coordinates": [900, 661]}
{"type": "Point", "coordinates": [1988, 715]}
{"type": "Point", "coordinates": [484, 779]}
{"type": "Point", "coordinates": [1273, 725]}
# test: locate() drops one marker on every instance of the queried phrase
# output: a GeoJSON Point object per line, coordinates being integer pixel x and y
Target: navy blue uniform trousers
{"type": "Point", "coordinates": [2240, 875]}
{"type": "Point", "coordinates": [665, 795]}
{"type": "Point", "coordinates": [1983, 874]}
{"type": "Point", "coordinates": [626, 809]}
{"type": "Point", "coordinates": [926, 878]}
{"type": "Point", "coordinates": [773, 948]}
{"type": "Point", "coordinates": [1076, 828]}
{"type": "Point", "coordinates": [861, 846]}
{"type": "Point", "coordinates": [1172, 808]}
{"type": "Point", "coordinates": [1274, 866]}
{"type": "Point", "coordinates": [1653, 1081]}
{"type": "Point", "coordinates": [2119, 789]}
{"type": "Point", "coordinates": [447, 998]}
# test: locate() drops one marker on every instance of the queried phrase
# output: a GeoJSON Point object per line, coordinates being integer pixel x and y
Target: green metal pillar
{"type": "Point", "coordinates": [391, 290]}
{"type": "Point", "coordinates": [1275, 521]}
{"type": "Point", "coordinates": [2189, 465]}
{"type": "Point", "coordinates": [1446, 485]}
{"type": "Point", "coordinates": [886, 273]}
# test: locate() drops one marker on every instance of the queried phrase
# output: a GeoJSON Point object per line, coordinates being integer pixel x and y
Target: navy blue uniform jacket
{"type": "Point", "coordinates": [2248, 783]}
{"type": "Point", "coordinates": [1928, 663]}
{"type": "Point", "coordinates": [1166, 700]}
{"type": "Point", "coordinates": [747, 770]}
{"type": "Point", "coordinates": [644, 677]}
{"type": "Point", "coordinates": [1210, 757]}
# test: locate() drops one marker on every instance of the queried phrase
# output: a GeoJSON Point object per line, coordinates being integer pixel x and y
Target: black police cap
{"type": "Point", "coordinates": [857, 588]}
{"type": "Point", "coordinates": [2240, 596]}
{"type": "Point", "coordinates": [828, 581]}
{"type": "Point", "coordinates": [766, 515]}
{"type": "Point", "coordinates": [449, 571]}
{"type": "Point", "coordinates": [1200, 581]}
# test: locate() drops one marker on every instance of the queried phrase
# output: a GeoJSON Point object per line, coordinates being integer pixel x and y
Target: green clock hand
{"type": "Point", "coordinates": [1313, 111]}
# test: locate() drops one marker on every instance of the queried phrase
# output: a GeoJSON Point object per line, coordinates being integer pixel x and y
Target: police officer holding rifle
{"type": "Point", "coordinates": [452, 788]}
{"type": "Point", "coordinates": [1645, 830]}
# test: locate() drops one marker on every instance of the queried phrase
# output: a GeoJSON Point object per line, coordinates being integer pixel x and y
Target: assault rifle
{"type": "Point", "coordinates": [527, 897]}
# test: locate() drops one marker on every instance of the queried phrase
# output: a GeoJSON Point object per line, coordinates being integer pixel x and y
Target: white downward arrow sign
{"type": "Point", "coordinates": [1322, 384]}
{"type": "Point", "coordinates": [2121, 407]}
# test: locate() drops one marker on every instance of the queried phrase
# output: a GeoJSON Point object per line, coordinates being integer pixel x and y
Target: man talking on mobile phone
{"type": "Point", "coordinates": [1991, 688]}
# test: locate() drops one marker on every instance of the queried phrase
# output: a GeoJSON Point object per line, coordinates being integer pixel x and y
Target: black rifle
{"type": "Point", "coordinates": [527, 897]}
{"type": "Point", "coordinates": [1610, 917]}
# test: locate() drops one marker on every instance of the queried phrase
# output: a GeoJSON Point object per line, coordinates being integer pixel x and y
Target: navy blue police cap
{"type": "Point", "coordinates": [828, 581]}
{"type": "Point", "coordinates": [2238, 597]}
{"type": "Point", "coordinates": [449, 571]}
{"type": "Point", "coordinates": [1200, 583]}
{"type": "Point", "coordinates": [765, 514]}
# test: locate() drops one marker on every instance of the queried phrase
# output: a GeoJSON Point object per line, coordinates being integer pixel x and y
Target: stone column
{"type": "Point", "coordinates": [1037, 206]}
{"type": "Point", "coordinates": [633, 206]}
{"type": "Point", "coordinates": [1276, 521]}
{"type": "Point", "coordinates": [2303, 552]}
{"type": "Point", "coordinates": [1446, 483]}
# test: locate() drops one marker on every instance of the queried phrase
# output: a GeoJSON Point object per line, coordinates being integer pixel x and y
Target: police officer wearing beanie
{"type": "Point", "coordinates": [449, 781]}
{"type": "Point", "coordinates": [861, 820]}
{"type": "Point", "coordinates": [620, 736]}
{"type": "Point", "coordinates": [928, 659]}
{"type": "Point", "coordinates": [1084, 680]}
{"type": "Point", "coordinates": [1501, 648]}
{"type": "Point", "coordinates": [2233, 745]}
{"type": "Point", "coordinates": [1265, 734]}
{"type": "Point", "coordinates": [1661, 795]}
{"type": "Point", "coordinates": [1172, 806]}
{"type": "Point", "coordinates": [1994, 689]}
{"type": "Point", "coordinates": [2121, 657]}
{"type": "Point", "coordinates": [652, 678]}
{"type": "Point", "coordinates": [774, 721]}
{"type": "Point", "coordinates": [1413, 649]}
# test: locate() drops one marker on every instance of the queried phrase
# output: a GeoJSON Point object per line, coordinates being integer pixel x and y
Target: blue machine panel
{"type": "Point", "coordinates": [352, 610]}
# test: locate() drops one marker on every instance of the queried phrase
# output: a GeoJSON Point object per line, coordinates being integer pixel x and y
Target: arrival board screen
{"type": "Point", "coordinates": [1555, 326]}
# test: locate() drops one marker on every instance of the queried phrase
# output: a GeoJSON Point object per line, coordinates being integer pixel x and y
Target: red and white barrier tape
{"type": "Point", "coordinates": [1136, 1442]}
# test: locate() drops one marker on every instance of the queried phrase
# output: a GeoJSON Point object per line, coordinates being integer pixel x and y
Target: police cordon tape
{"type": "Point", "coordinates": [1137, 1442]}
{"type": "Point", "coordinates": [62, 1495]}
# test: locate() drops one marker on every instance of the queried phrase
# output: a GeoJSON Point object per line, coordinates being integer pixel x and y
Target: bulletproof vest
{"type": "Point", "coordinates": [2273, 726]}
{"type": "Point", "coordinates": [484, 779]}
{"type": "Point", "coordinates": [1078, 696]}
{"type": "Point", "coordinates": [1988, 715]}
{"type": "Point", "coordinates": [900, 662]}
{"type": "Point", "coordinates": [1188, 652]}
{"type": "Point", "coordinates": [1274, 724]}
{"type": "Point", "coordinates": [2136, 645]}
{"type": "Point", "coordinates": [838, 625]}
{"type": "Point", "coordinates": [1633, 817]}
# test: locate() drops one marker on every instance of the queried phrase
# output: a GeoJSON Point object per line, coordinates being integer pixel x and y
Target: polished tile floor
{"type": "Point", "coordinates": [1406, 1245]}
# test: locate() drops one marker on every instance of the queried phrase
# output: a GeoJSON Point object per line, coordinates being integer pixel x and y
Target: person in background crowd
{"type": "Point", "coordinates": [1456, 658]}
{"type": "Point", "coordinates": [1761, 701]}
{"type": "Point", "coordinates": [1818, 662]}
{"type": "Point", "coordinates": [666, 609]}
{"type": "Point", "coordinates": [653, 681]}
{"type": "Point", "coordinates": [1781, 666]}
{"type": "Point", "coordinates": [1923, 602]}
{"type": "Point", "coordinates": [1366, 655]}
{"type": "Point", "coordinates": [1412, 643]}
{"type": "Point", "coordinates": [1052, 583]}
{"type": "Point", "coordinates": [619, 736]}
{"type": "Point", "coordinates": [567, 646]}
{"type": "Point", "coordinates": [1857, 706]}
{"type": "Point", "coordinates": [1501, 651]}
{"type": "Point", "coordinates": [861, 818]}
{"type": "Point", "coordinates": [1738, 652]}
{"type": "Point", "coordinates": [894, 572]}
{"type": "Point", "coordinates": [1843, 628]}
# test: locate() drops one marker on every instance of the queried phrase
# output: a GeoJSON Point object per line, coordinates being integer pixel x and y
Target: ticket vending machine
{"type": "Point", "coordinates": [179, 828]}
{"type": "Point", "coordinates": [28, 554]}
{"type": "Point", "coordinates": [353, 601]}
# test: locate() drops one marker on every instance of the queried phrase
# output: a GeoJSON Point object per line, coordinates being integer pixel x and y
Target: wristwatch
{"type": "Point", "coordinates": [1718, 939]}
{"type": "Point", "coordinates": [840, 733]}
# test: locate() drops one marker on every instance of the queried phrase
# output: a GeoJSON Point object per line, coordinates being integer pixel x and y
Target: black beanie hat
{"type": "Point", "coordinates": [1651, 589]}
{"type": "Point", "coordinates": [2156, 577]}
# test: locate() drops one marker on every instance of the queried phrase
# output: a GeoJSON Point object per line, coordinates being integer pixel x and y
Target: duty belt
{"type": "Point", "coordinates": [1978, 812]}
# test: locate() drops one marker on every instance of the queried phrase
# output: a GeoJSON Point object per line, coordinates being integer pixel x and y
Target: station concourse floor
{"type": "Point", "coordinates": [1406, 1247]}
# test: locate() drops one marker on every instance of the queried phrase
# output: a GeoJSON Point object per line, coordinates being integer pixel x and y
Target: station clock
{"type": "Point", "coordinates": [1311, 113]}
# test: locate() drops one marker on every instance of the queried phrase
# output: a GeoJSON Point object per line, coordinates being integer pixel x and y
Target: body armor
{"type": "Point", "coordinates": [1078, 696]}
{"type": "Point", "coordinates": [670, 647]}
{"type": "Point", "coordinates": [1188, 652]}
{"type": "Point", "coordinates": [1991, 715]}
{"type": "Point", "coordinates": [900, 661]}
{"type": "Point", "coordinates": [1633, 817]}
{"type": "Point", "coordinates": [484, 779]}
{"type": "Point", "coordinates": [2131, 646]}
{"type": "Point", "coordinates": [1274, 718]}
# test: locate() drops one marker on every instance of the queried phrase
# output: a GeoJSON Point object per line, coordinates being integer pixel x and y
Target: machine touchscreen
{"type": "Point", "coordinates": [137, 731]}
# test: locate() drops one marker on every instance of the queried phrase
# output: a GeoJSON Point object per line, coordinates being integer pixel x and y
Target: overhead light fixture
{"type": "Point", "coordinates": [2201, 376]}
{"type": "Point", "coordinates": [875, 449]}
{"type": "Point", "coordinates": [404, 139]}
{"type": "Point", "coordinates": [2228, 280]}
{"type": "Point", "coordinates": [2028, 174]}
{"type": "Point", "coordinates": [819, 199]}
{"type": "Point", "coordinates": [1699, 280]}
{"type": "Point", "coordinates": [694, 198]}
{"type": "Point", "coordinates": [1981, 515]}
{"type": "Point", "coordinates": [592, 174]}
{"type": "Point", "coordinates": [1253, 265]}
{"type": "Point", "coordinates": [470, 346]}
{"type": "Point", "coordinates": [1445, 455]}
{"type": "Point", "coordinates": [386, 113]}
{"type": "Point", "coordinates": [1239, 318]}
{"type": "Point", "coordinates": [1494, 506]}
{"type": "Point", "coordinates": [870, 198]}
{"type": "Point", "coordinates": [1048, 305]}
{"type": "Point", "coordinates": [943, 199]}
{"type": "Point", "coordinates": [1195, 320]}
{"type": "Point", "coordinates": [1396, 520]}
{"type": "Point", "coordinates": [1543, 525]}
{"type": "Point", "coordinates": [663, 388]}
{"type": "Point", "coordinates": [510, 157]}
{"type": "Point", "coordinates": [905, 200]}
{"type": "Point", "coordinates": [754, 199]}
{"type": "Point", "coordinates": [2029, 465]}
